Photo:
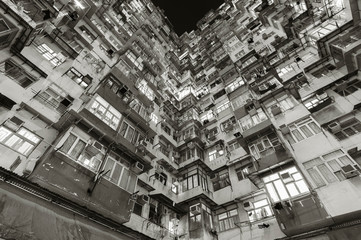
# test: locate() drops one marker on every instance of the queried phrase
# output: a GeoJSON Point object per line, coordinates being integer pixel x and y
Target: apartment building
{"type": "Point", "coordinates": [114, 127]}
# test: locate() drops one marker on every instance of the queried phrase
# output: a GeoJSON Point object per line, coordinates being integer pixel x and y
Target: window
{"type": "Point", "coordinates": [195, 218]}
{"type": "Point", "coordinates": [118, 88]}
{"type": "Point", "coordinates": [130, 133]}
{"type": "Point", "coordinates": [223, 107]}
{"type": "Point", "coordinates": [241, 100]}
{"type": "Point", "coordinates": [145, 89]}
{"type": "Point", "coordinates": [285, 185]}
{"type": "Point", "coordinates": [222, 180]}
{"type": "Point", "coordinates": [213, 154]}
{"type": "Point", "coordinates": [249, 121]}
{"type": "Point", "coordinates": [233, 146]}
{"type": "Point", "coordinates": [302, 130]}
{"type": "Point", "coordinates": [261, 210]}
{"type": "Point", "coordinates": [77, 77]}
{"type": "Point", "coordinates": [315, 100]}
{"type": "Point", "coordinates": [55, 58]}
{"type": "Point", "coordinates": [20, 140]}
{"type": "Point", "coordinates": [137, 61]}
{"type": "Point", "coordinates": [234, 85]}
{"type": "Point", "coordinates": [327, 168]}
{"type": "Point", "coordinates": [83, 153]}
{"type": "Point", "coordinates": [345, 127]}
{"type": "Point", "coordinates": [55, 98]}
{"type": "Point", "coordinates": [16, 73]}
{"type": "Point", "coordinates": [208, 220]}
{"type": "Point", "coordinates": [212, 133]}
{"type": "Point", "coordinates": [117, 171]}
{"type": "Point", "coordinates": [154, 118]}
{"type": "Point", "coordinates": [105, 112]}
{"type": "Point", "coordinates": [351, 87]}
{"type": "Point", "coordinates": [284, 102]}
{"type": "Point", "coordinates": [139, 108]}
{"type": "Point", "coordinates": [226, 220]}
{"type": "Point", "coordinates": [194, 178]}
{"type": "Point", "coordinates": [138, 208]}
{"type": "Point", "coordinates": [264, 146]}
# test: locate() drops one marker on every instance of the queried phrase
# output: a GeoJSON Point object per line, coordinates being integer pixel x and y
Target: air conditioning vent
{"type": "Point", "coordinates": [138, 167]}
{"type": "Point", "coordinates": [195, 209]}
{"type": "Point", "coordinates": [334, 127]}
{"type": "Point", "coordinates": [143, 199]}
{"type": "Point", "coordinates": [284, 129]}
{"type": "Point", "coordinates": [248, 206]}
{"type": "Point", "coordinates": [349, 171]}
{"type": "Point", "coordinates": [275, 109]}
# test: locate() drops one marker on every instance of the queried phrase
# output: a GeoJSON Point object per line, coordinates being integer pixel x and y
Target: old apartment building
{"type": "Point", "coordinates": [114, 127]}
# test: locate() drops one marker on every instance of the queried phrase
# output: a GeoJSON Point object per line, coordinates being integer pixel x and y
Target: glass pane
{"type": "Point", "coordinates": [233, 212]}
{"type": "Point", "coordinates": [125, 177]}
{"type": "Point", "coordinates": [281, 189]}
{"type": "Point", "coordinates": [116, 173]}
{"type": "Point", "coordinates": [326, 173]}
{"type": "Point", "coordinates": [302, 187]}
{"type": "Point", "coordinates": [68, 143]}
{"type": "Point", "coordinates": [306, 131]}
{"type": "Point", "coordinates": [314, 127]}
{"type": "Point", "coordinates": [335, 166]}
{"type": "Point", "coordinates": [13, 141]}
{"type": "Point", "coordinates": [132, 182]}
{"type": "Point", "coordinates": [25, 148]}
{"type": "Point", "coordinates": [108, 167]}
{"type": "Point", "coordinates": [272, 192]}
{"type": "Point", "coordinates": [261, 203]}
{"type": "Point", "coordinates": [345, 160]}
{"type": "Point", "coordinates": [76, 151]}
{"type": "Point", "coordinates": [316, 177]}
{"type": "Point", "coordinates": [4, 133]}
{"type": "Point", "coordinates": [297, 135]}
{"type": "Point", "coordinates": [292, 189]}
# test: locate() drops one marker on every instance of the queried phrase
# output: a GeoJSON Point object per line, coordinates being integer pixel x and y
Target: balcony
{"type": "Point", "coordinates": [64, 176]}
{"type": "Point", "coordinates": [194, 192]}
{"type": "Point", "coordinates": [272, 157]}
{"type": "Point", "coordinates": [260, 127]}
{"type": "Point", "coordinates": [301, 214]}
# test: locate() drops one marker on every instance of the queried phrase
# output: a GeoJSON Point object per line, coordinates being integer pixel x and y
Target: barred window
{"type": "Point", "coordinates": [16, 73]}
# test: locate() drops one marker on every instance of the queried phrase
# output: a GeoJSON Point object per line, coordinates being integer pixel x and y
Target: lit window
{"type": "Point", "coordinates": [326, 169]}
{"type": "Point", "coordinates": [261, 210]}
{"type": "Point", "coordinates": [105, 112]}
{"type": "Point", "coordinates": [21, 140]}
{"type": "Point", "coordinates": [285, 185]}
{"type": "Point", "coordinates": [77, 77]}
{"type": "Point", "coordinates": [79, 150]}
{"type": "Point", "coordinates": [55, 58]}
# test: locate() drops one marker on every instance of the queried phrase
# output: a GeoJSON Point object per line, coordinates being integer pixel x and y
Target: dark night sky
{"type": "Point", "coordinates": [184, 14]}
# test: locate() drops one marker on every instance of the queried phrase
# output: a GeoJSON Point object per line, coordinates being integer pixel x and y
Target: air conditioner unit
{"type": "Point", "coordinates": [214, 177]}
{"type": "Point", "coordinates": [191, 145]}
{"type": "Point", "coordinates": [286, 177]}
{"type": "Point", "coordinates": [159, 169]}
{"type": "Point", "coordinates": [228, 127]}
{"type": "Point", "coordinates": [143, 199]}
{"type": "Point", "coordinates": [195, 210]}
{"type": "Point", "coordinates": [14, 123]}
{"type": "Point", "coordinates": [341, 86]}
{"type": "Point", "coordinates": [275, 109]}
{"type": "Point", "coordinates": [176, 155]}
{"type": "Point", "coordinates": [138, 167]}
{"type": "Point", "coordinates": [252, 111]}
{"type": "Point", "coordinates": [248, 206]}
{"type": "Point", "coordinates": [349, 171]}
{"type": "Point", "coordinates": [284, 129]}
{"type": "Point", "coordinates": [334, 127]}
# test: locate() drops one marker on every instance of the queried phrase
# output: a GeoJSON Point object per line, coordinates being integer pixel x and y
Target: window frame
{"type": "Point", "coordinates": [226, 223]}
{"type": "Point", "coordinates": [109, 112]}
{"type": "Point", "coordinates": [21, 141]}
{"type": "Point", "coordinates": [298, 126]}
